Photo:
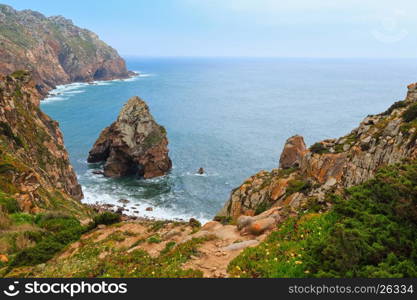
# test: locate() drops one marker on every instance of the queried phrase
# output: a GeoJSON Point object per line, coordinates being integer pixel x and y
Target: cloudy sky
{"type": "Point", "coordinates": [300, 28]}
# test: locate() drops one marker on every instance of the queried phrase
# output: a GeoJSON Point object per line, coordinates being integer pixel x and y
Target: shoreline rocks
{"type": "Point", "coordinates": [134, 145]}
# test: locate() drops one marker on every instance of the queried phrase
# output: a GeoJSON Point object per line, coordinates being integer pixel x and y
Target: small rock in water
{"type": "Point", "coordinates": [119, 210]}
{"type": "Point", "coordinates": [124, 201]}
{"type": "Point", "coordinates": [98, 172]}
{"type": "Point", "coordinates": [201, 171]}
{"type": "Point", "coordinates": [149, 209]}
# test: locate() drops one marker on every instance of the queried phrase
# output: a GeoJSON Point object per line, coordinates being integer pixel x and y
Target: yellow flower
{"type": "Point", "coordinates": [298, 262]}
{"type": "Point", "coordinates": [307, 271]}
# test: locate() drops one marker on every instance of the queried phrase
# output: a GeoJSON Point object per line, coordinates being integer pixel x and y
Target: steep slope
{"type": "Point", "coordinates": [54, 50]}
{"type": "Point", "coordinates": [34, 165]}
{"type": "Point", "coordinates": [307, 175]}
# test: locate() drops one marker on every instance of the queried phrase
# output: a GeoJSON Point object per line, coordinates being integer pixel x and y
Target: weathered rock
{"type": "Point", "coordinates": [4, 258]}
{"type": "Point", "coordinates": [133, 145]}
{"type": "Point", "coordinates": [149, 209]}
{"type": "Point", "coordinates": [241, 245]}
{"type": "Point", "coordinates": [260, 226]}
{"type": "Point", "coordinates": [32, 154]}
{"type": "Point", "coordinates": [293, 152]}
{"type": "Point", "coordinates": [123, 201]}
{"type": "Point", "coordinates": [54, 50]}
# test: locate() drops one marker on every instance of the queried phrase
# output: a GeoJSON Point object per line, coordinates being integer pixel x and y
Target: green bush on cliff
{"type": "Point", "coordinates": [410, 114]}
{"type": "Point", "coordinates": [8, 204]}
{"type": "Point", "coordinates": [106, 218]}
{"type": "Point", "coordinates": [59, 231]}
{"type": "Point", "coordinates": [318, 148]}
{"type": "Point", "coordinates": [370, 232]}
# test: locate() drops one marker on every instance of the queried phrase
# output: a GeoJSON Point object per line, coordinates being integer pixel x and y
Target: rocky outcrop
{"type": "Point", "coordinates": [34, 165]}
{"type": "Point", "coordinates": [307, 175]}
{"type": "Point", "coordinates": [133, 145]}
{"type": "Point", "coordinates": [293, 152]}
{"type": "Point", "coordinates": [54, 50]}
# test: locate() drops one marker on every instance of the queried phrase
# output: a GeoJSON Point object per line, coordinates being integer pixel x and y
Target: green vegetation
{"type": "Point", "coordinates": [7, 131]}
{"type": "Point", "coordinates": [8, 204]}
{"type": "Point", "coordinates": [410, 114]}
{"type": "Point", "coordinates": [264, 206]}
{"type": "Point", "coordinates": [396, 105]}
{"type": "Point", "coordinates": [319, 148]}
{"type": "Point", "coordinates": [370, 232]}
{"type": "Point", "coordinates": [106, 218]}
{"type": "Point", "coordinates": [119, 263]}
{"type": "Point", "coordinates": [298, 186]}
{"type": "Point", "coordinates": [57, 232]}
{"type": "Point", "coordinates": [155, 239]}
{"type": "Point", "coordinates": [154, 138]}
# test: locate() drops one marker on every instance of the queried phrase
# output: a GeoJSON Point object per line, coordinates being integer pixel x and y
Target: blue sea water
{"type": "Point", "coordinates": [230, 116]}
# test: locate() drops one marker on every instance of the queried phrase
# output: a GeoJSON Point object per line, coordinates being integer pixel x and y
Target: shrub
{"type": "Point", "coordinates": [396, 105]}
{"type": "Point", "coordinates": [318, 148]}
{"type": "Point", "coordinates": [155, 239]}
{"type": "Point", "coordinates": [10, 205]}
{"type": "Point", "coordinates": [263, 206]}
{"type": "Point", "coordinates": [106, 218]}
{"type": "Point", "coordinates": [60, 230]}
{"type": "Point", "coordinates": [22, 218]}
{"type": "Point", "coordinates": [58, 224]}
{"type": "Point", "coordinates": [298, 186]}
{"type": "Point", "coordinates": [410, 114]}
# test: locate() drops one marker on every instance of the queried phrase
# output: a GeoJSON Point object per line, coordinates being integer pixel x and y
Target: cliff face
{"type": "Point", "coordinates": [54, 50]}
{"type": "Point", "coordinates": [307, 175]}
{"type": "Point", "coordinates": [133, 145]}
{"type": "Point", "coordinates": [34, 165]}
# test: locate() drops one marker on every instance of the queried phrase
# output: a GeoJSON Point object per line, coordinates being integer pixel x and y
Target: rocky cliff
{"type": "Point", "coordinates": [308, 175]}
{"type": "Point", "coordinates": [54, 50]}
{"type": "Point", "coordinates": [34, 165]}
{"type": "Point", "coordinates": [133, 145]}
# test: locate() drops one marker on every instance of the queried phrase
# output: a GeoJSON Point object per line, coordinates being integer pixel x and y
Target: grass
{"type": "Point", "coordinates": [120, 264]}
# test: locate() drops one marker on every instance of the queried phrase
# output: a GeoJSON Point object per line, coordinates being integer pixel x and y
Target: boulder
{"type": "Point", "coordinates": [293, 152]}
{"type": "Point", "coordinates": [134, 145]}
{"type": "Point", "coordinates": [241, 245]}
{"type": "Point", "coordinates": [260, 226]}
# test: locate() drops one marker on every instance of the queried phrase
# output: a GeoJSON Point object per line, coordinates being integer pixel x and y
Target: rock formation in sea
{"type": "Point", "coordinates": [331, 165]}
{"type": "Point", "coordinates": [34, 165]}
{"type": "Point", "coordinates": [133, 145]}
{"type": "Point", "coordinates": [54, 50]}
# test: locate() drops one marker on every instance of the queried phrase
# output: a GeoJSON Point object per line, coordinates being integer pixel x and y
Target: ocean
{"type": "Point", "coordinates": [230, 116]}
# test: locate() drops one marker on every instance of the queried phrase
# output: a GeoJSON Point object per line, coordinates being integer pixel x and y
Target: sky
{"type": "Point", "coordinates": [245, 28]}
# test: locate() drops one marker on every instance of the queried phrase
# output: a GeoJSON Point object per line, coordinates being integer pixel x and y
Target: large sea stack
{"type": "Point", "coordinates": [134, 145]}
{"type": "Point", "coordinates": [54, 50]}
